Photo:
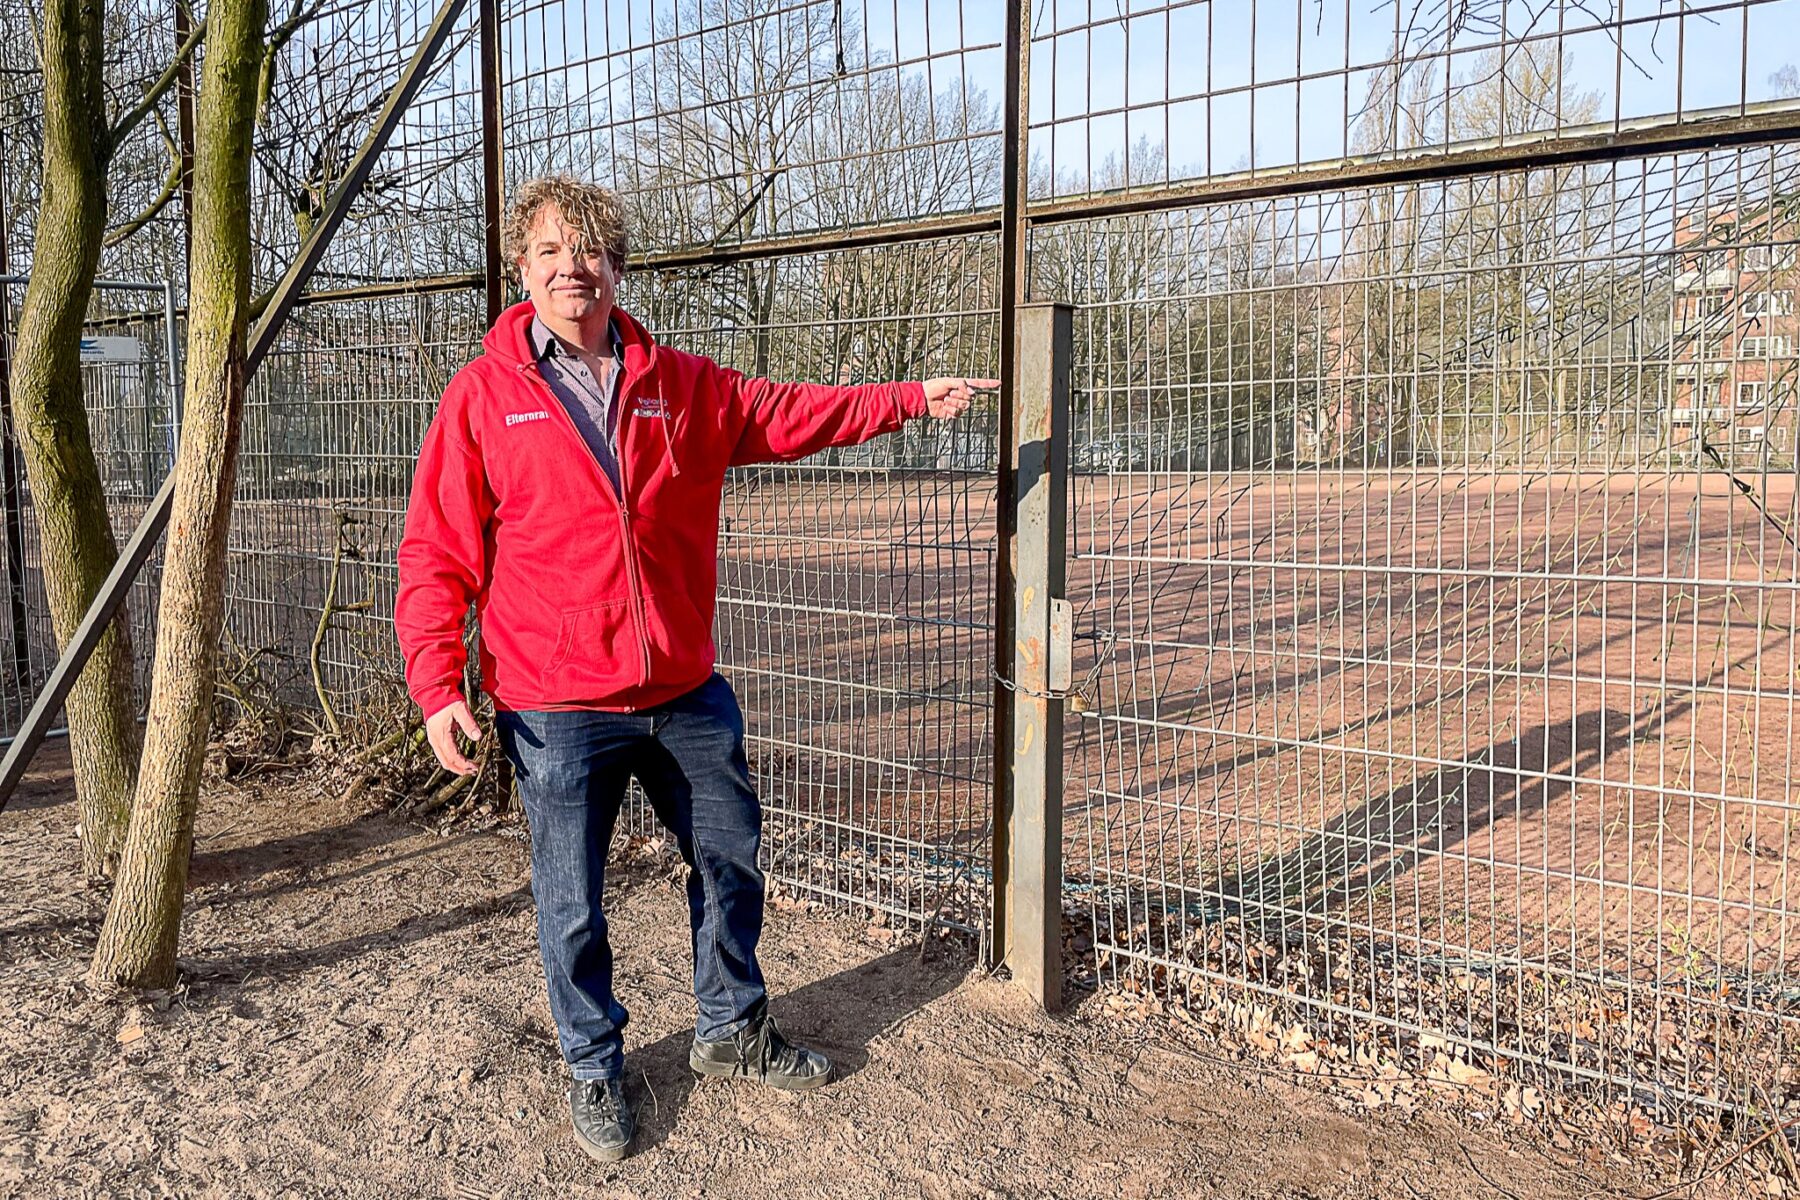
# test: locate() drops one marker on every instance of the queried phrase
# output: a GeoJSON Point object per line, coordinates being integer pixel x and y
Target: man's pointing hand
{"type": "Point", "coordinates": [948, 398]}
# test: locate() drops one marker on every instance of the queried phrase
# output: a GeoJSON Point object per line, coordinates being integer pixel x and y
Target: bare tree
{"type": "Point", "coordinates": [138, 940]}
{"type": "Point", "coordinates": [1458, 297]}
{"type": "Point", "coordinates": [1200, 329]}
{"type": "Point", "coordinates": [80, 138]}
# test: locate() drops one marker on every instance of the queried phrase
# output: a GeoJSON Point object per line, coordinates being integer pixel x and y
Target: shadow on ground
{"type": "Point", "coordinates": [839, 1016]}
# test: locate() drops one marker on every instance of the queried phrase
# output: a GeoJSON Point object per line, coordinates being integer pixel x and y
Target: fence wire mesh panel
{"type": "Point", "coordinates": [1141, 95]}
{"type": "Point", "coordinates": [127, 392]}
{"type": "Point", "coordinates": [140, 43]}
{"type": "Point", "coordinates": [334, 418]}
{"type": "Point", "coordinates": [331, 434]}
{"type": "Point", "coordinates": [128, 400]}
{"type": "Point", "coordinates": [855, 588]}
{"type": "Point", "coordinates": [728, 121]}
{"type": "Point", "coordinates": [1432, 549]}
{"type": "Point", "coordinates": [418, 216]}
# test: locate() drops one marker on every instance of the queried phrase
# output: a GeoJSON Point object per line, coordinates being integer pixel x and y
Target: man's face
{"type": "Point", "coordinates": [563, 283]}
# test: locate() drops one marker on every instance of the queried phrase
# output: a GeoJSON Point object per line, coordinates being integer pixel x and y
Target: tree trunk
{"type": "Point", "coordinates": [78, 545]}
{"type": "Point", "coordinates": [137, 943]}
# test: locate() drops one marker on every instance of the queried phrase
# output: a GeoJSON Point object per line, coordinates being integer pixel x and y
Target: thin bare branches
{"type": "Point", "coordinates": [171, 185]}
{"type": "Point", "coordinates": [153, 96]}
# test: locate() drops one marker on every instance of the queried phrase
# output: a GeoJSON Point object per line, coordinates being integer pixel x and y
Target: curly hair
{"type": "Point", "coordinates": [595, 213]}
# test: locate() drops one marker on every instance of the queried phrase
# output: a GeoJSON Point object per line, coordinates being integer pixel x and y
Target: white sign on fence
{"type": "Point", "coordinates": [112, 350]}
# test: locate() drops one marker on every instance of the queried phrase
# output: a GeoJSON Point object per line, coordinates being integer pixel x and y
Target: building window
{"type": "Point", "coordinates": [1710, 304]}
{"type": "Point", "coordinates": [1767, 257]}
{"type": "Point", "coordinates": [1769, 304]}
{"type": "Point", "coordinates": [1776, 345]}
{"type": "Point", "coordinates": [1752, 396]}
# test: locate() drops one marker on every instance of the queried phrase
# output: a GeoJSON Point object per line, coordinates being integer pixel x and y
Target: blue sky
{"type": "Point", "coordinates": [1190, 72]}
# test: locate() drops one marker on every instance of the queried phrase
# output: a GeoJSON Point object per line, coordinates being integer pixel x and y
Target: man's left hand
{"type": "Point", "coordinates": [948, 398]}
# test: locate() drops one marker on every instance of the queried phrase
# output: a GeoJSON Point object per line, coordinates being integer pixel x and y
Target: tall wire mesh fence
{"type": "Point", "coordinates": [335, 417]}
{"type": "Point", "coordinates": [129, 387]}
{"type": "Point", "coordinates": [1432, 495]}
{"type": "Point", "coordinates": [1433, 558]}
{"type": "Point", "coordinates": [331, 433]}
{"type": "Point", "coordinates": [1458, 697]}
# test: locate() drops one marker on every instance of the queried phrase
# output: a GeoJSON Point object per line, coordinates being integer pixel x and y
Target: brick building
{"type": "Point", "coordinates": [1733, 334]}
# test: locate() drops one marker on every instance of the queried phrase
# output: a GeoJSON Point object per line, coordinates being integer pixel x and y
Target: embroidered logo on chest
{"type": "Point", "coordinates": [520, 418]}
{"type": "Point", "coordinates": [652, 407]}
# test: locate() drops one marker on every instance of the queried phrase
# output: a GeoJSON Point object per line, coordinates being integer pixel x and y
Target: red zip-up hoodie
{"type": "Point", "coordinates": [589, 599]}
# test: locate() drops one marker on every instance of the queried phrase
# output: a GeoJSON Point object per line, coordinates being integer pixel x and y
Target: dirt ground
{"type": "Point", "coordinates": [362, 1014]}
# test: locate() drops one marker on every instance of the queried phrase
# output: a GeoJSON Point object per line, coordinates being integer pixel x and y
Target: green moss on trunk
{"type": "Point", "coordinates": [48, 412]}
{"type": "Point", "coordinates": [138, 940]}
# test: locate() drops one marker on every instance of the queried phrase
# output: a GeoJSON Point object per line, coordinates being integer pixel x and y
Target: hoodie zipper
{"type": "Point", "coordinates": [640, 620]}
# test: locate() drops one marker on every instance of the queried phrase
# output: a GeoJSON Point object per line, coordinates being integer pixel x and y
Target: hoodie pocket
{"type": "Point", "coordinates": [597, 641]}
{"type": "Point", "coordinates": [518, 628]}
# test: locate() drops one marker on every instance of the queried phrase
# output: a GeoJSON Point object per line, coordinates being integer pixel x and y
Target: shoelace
{"type": "Point", "coordinates": [766, 1048]}
{"type": "Point", "coordinates": [597, 1096]}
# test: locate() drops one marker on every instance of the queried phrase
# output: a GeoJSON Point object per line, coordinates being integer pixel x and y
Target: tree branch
{"type": "Point", "coordinates": [170, 186]}
{"type": "Point", "coordinates": [122, 128]}
{"type": "Point", "coordinates": [278, 38]}
{"type": "Point", "coordinates": [285, 31]}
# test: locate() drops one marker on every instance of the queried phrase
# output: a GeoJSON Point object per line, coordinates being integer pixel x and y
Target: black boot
{"type": "Point", "coordinates": [604, 1124]}
{"type": "Point", "coordinates": [759, 1052]}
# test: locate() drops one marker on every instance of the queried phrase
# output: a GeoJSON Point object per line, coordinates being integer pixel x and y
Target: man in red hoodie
{"type": "Point", "coordinates": [569, 488]}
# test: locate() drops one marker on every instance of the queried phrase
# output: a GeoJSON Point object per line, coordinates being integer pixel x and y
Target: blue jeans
{"type": "Point", "coordinates": [572, 770]}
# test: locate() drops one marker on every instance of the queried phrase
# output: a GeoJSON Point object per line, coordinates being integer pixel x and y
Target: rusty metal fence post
{"type": "Point", "coordinates": [492, 185]}
{"type": "Point", "coordinates": [1029, 863]}
{"type": "Point", "coordinates": [12, 497]}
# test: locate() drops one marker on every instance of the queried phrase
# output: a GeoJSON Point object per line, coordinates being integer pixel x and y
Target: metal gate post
{"type": "Point", "coordinates": [492, 191]}
{"type": "Point", "coordinates": [12, 496]}
{"type": "Point", "coordinates": [1040, 670]}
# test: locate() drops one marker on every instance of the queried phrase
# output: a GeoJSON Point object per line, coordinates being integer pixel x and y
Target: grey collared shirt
{"type": "Point", "coordinates": [594, 408]}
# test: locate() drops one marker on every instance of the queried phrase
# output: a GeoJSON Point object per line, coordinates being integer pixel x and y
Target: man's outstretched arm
{"type": "Point", "coordinates": [788, 421]}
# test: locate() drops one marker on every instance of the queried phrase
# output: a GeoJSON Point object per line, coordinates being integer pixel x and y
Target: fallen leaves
{"type": "Point", "coordinates": [1459, 1072]}
{"type": "Point", "coordinates": [1522, 1103]}
{"type": "Point", "coordinates": [1493, 1039]}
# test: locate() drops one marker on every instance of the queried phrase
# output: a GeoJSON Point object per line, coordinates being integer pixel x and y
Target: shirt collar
{"type": "Point", "coordinates": [544, 343]}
